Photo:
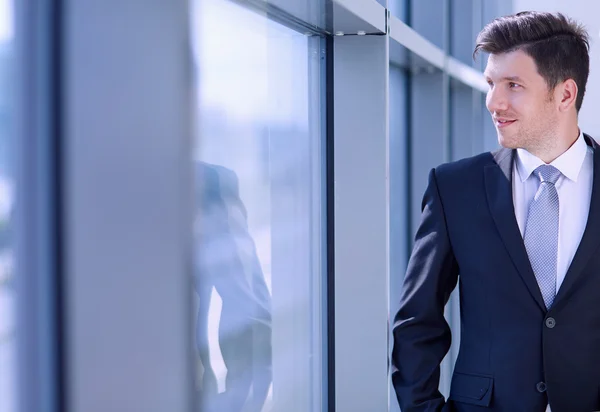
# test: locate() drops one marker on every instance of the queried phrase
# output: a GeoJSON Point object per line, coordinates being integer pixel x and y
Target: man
{"type": "Point", "coordinates": [227, 261]}
{"type": "Point", "coordinates": [519, 229]}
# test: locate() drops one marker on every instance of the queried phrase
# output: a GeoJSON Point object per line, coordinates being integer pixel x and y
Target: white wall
{"type": "Point", "coordinates": [586, 12]}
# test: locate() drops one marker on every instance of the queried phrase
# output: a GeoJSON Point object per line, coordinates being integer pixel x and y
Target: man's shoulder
{"type": "Point", "coordinates": [470, 165]}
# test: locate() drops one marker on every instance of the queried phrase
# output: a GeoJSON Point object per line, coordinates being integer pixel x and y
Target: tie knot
{"type": "Point", "coordinates": [547, 173]}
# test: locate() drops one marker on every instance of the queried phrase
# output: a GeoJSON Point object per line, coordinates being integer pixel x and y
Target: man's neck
{"type": "Point", "coordinates": [563, 143]}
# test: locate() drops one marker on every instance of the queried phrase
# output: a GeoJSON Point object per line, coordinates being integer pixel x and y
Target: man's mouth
{"type": "Point", "coordinates": [501, 123]}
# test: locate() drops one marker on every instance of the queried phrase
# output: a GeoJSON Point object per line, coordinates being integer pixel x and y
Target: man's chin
{"type": "Point", "coordinates": [507, 142]}
{"type": "Point", "coordinates": [509, 145]}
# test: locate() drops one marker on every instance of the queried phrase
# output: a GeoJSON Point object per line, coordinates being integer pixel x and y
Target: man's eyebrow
{"type": "Point", "coordinates": [513, 79]}
{"type": "Point", "coordinates": [507, 78]}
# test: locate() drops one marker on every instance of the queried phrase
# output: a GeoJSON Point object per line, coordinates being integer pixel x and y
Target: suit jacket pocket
{"type": "Point", "coordinates": [471, 388]}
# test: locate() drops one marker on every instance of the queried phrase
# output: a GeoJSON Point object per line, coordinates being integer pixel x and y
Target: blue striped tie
{"type": "Point", "coordinates": [541, 232]}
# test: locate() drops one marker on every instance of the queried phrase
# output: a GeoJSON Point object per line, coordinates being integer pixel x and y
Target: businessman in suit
{"type": "Point", "coordinates": [227, 261]}
{"type": "Point", "coordinates": [519, 231]}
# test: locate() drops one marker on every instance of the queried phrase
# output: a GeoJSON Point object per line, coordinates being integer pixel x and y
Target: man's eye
{"type": "Point", "coordinates": [513, 85]}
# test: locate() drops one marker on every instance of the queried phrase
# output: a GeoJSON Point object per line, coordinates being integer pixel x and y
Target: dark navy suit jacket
{"type": "Point", "coordinates": [514, 354]}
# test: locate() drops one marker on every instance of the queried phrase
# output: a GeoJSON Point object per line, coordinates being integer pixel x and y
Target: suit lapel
{"type": "Point", "coordinates": [591, 236]}
{"type": "Point", "coordinates": [498, 185]}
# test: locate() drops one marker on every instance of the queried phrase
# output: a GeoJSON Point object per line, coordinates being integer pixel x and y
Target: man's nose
{"type": "Point", "coordinates": [496, 100]}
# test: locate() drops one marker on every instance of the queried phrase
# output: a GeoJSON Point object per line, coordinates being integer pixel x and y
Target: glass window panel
{"type": "Point", "coordinates": [399, 8]}
{"type": "Point", "coordinates": [465, 22]}
{"type": "Point", "coordinates": [7, 297]}
{"type": "Point", "coordinates": [465, 132]}
{"type": "Point", "coordinates": [490, 136]}
{"type": "Point", "coordinates": [428, 144]}
{"type": "Point", "coordinates": [429, 19]}
{"type": "Point", "coordinates": [429, 148]}
{"type": "Point", "coordinates": [260, 212]}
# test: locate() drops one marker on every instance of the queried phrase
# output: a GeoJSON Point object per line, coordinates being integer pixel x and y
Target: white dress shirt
{"type": "Point", "coordinates": [574, 189]}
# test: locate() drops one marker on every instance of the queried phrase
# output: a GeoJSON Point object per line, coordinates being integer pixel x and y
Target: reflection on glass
{"type": "Point", "coordinates": [7, 346]}
{"type": "Point", "coordinates": [399, 8]}
{"type": "Point", "coordinates": [228, 262]}
{"type": "Point", "coordinates": [259, 220]}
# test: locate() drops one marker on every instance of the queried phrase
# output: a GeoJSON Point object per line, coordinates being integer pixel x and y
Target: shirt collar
{"type": "Point", "coordinates": [569, 163]}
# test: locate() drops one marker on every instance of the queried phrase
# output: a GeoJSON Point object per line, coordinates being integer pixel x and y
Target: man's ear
{"type": "Point", "coordinates": [566, 94]}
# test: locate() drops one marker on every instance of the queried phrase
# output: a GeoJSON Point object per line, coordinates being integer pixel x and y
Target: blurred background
{"type": "Point", "coordinates": [208, 205]}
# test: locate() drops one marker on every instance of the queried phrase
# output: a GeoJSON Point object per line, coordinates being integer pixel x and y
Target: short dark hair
{"type": "Point", "coordinates": [558, 45]}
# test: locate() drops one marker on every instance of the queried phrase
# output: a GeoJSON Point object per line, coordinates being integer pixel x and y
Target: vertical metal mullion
{"type": "Point", "coordinates": [330, 222]}
{"type": "Point", "coordinates": [321, 257]}
{"type": "Point", "coordinates": [361, 244]}
{"type": "Point", "coordinates": [56, 57]}
{"type": "Point", "coordinates": [447, 140]}
{"type": "Point", "coordinates": [38, 242]}
{"type": "Point", "coordinates": [451, 310]}
{"type": "Point", "coordinates": [127, 195]}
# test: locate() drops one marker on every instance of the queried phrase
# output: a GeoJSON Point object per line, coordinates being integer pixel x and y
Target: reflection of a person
{"type": "Point", "coordinates": [6, 222]}
{"type": "Point", "coordinates": [227, 260]}
{"type": "Point", "coordinates": [6, 212]}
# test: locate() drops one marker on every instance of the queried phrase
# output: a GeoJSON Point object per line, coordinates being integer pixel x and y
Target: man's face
{"type": "Point", "coordinates": [522, 107]}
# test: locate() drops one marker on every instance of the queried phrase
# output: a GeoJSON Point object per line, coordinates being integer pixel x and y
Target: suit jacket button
{"type": "Point", "coordinates": [541, 387]}
{"type": "Point", "coordinates": [550, 323]}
